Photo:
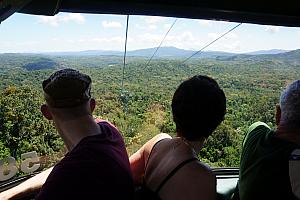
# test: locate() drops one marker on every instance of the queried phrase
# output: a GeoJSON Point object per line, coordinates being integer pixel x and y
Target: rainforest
{"type": "Point", "coordinates": [141, 108]}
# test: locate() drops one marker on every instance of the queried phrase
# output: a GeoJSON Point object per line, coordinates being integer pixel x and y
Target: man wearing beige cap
{"type": "Point", "coordinates": [96, 166]}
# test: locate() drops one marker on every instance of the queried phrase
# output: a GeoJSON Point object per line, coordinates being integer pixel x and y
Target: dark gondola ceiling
{"type": "Point", "coordinates": [277, 12]}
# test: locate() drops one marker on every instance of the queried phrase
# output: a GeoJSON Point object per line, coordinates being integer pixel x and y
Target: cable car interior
{"type": "Point", "coordinates": [277, 13]}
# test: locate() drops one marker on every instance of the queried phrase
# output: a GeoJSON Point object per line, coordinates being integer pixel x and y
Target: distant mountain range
{"type": "Point", "coordinates": [163, 52]}
{"type": "Point", "coordinates": [291, 57]}
{"type": "Point", "coordinates": [38, 61]}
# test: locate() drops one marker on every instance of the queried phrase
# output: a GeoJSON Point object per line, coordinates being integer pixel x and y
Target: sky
{"type": "Point", "coordinates": [78, 32]}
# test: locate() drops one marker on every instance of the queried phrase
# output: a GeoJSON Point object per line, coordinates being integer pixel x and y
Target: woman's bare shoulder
{"type": "Point", "coordinates": [195, 181]}
{"type": "Point", "coordinates": [201, 169]}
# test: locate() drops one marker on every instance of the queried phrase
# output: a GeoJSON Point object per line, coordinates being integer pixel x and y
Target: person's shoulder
{"type": "Point", "coordinates": [199, 173]}
{"type": "Point", "coordinates": [79, 165]}
{"type": "Point", "coordinates": [258, 125]}
{"type": "Point", "coordinates": [255, 131]}
{"type": "Point", "coordinates": [106, 122]}
{"type": "Point", "coordinates": [203, 170]}
{"type": "Point", "coordinates": [108, 128]}
{"type": "Point", "coordinates": [161, 136]}
{"type": "Point", "coordinates": [153, 142]}
{"type": "Point", "coordinates": [201, 179]}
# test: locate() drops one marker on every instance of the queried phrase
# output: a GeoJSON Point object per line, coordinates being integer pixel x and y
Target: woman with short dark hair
{"type": "Point", "coordinates": [168, 168]}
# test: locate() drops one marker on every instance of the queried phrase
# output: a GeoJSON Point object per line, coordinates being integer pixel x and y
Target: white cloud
{"type": "Point", "coordinates": [93, 43]}
{"type": "Point", "coordinates": [116, 39]}
{"type": "Point", "coordinates": [20, 44]}
{"type": "Point", "coordinates": [76, 17]}
{"type": "Point", "coordinates": [53, 21]}
{"type": "Point", "coordinates": [272, 29]}
{"type": "Point", "coordinates": [17, 46]}
{"type": "Point", "coordinates": [231, 36]}
{"type": "Point", "coordinates": [111, 24]}
{"type": "Point", "coordinates": [62, 18]}
{"type": "Point", "coordinates": [206, 23]}
{"type": "Point", "coordinates": [232, 46]}
{"type": "Point", "coordinates": [213, 35]}
{"type": "Point", "coordinates": [179, 40]}
{"type": "Point", "coordinates": [229, 42]}
{"type": "Point", "coordinates": [167, 26]}
{"type": "Point", "coordinates": [152, 19]}
{"type": "Point", "coordinates": [67, 43]}
{"type": "Point", "coordinates": [186, 36]}
{"type": "Point", "coordinates": [107, 40]}
{"type": "Point", "coordinates": [146, 27]}
{"type": "Point", "coordinates": [81, 40]}
{"type": "Point", "coordinates": [55, 39]}
{"type": "Point", "coordinates": [152, 27]}
{"type": "Point", "coordinates": [71, 41]}
{"type": "Point", "coordinates": [151, 38]}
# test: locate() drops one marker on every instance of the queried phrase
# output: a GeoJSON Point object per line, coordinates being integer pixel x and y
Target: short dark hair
{"type": "Point", "coordinates": [67, 88]}
{"type": "Point", "coordinates": [198, 107]}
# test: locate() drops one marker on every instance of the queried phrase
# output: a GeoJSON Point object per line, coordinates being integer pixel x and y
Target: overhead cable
{"type": "Point", "coordinates": [200, 51]}
{"type": "Point", "coordinates": [161, 43]}
{"type": "Point", "coordinates": [124, 58]}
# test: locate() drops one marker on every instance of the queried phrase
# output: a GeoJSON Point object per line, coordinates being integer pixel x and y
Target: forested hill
{"type": "Point", "coordinates": [252, 85]}
{"type": "Point", "coordinates": [40, 61]}
{"type": "Point", "coordinates": [290, 57]}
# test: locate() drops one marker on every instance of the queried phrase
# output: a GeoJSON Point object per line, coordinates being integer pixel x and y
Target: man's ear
{"type": "Point", "coordinates": [46, 112]}
{"type": "Point", "coordinates": [277, 115]}
{"type": "Point", "coordinates": [92, 104]}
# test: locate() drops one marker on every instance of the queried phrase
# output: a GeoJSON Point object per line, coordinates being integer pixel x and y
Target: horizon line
{"type": "Point", "coordinates": [66, 51]}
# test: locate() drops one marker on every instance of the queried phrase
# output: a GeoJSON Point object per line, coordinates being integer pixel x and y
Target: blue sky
{"type": "Point", "coordinates": [77, 32]}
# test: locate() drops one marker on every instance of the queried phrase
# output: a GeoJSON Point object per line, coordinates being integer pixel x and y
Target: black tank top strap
{"type": "Point", "coordinates": [173, 172]}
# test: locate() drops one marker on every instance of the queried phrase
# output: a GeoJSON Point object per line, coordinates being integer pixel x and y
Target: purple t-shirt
{"type": "Point", "coordinates": [97, 168]}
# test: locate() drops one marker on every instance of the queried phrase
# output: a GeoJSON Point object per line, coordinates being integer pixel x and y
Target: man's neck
{"type": "Point", "coordinates": [73, 131]}
{"type": "Point", "coordinates": [289, 134]}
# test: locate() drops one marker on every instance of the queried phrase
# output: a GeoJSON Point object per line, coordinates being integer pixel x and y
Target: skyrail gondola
{"type": "Point", "coordinates": [275, 13]}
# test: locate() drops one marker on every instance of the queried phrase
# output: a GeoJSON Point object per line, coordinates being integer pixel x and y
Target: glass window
{"type": "Point", "coordinates": [252, 63]}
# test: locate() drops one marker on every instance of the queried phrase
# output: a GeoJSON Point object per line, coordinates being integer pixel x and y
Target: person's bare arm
{"type": "Point", "coordinates": [27, 187]}
{"type": "Point", "coordinates": [138, 159]}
